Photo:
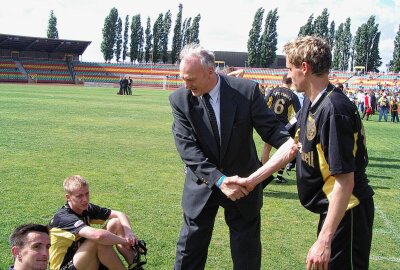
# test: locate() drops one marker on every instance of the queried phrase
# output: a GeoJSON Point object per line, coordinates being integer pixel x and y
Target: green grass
{"type": "Point", "coordinates": [123, 145]}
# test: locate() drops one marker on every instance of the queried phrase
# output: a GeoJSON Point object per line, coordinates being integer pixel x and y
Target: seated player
{"type": "Point", "coordinates": [76, 245]}
{"type": "Point", "coordinates": [30, 245]}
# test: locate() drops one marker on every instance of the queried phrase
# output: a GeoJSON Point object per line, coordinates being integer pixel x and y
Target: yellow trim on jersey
{"type": "Point", "coordinates": [297, 136]}
{"type": "Point", "coordinates": [291, 113]}
{"type": "Point", "coordinates": [97, 221]}
{"type": "Point", "coordinates": [355, 143]}
{"type": "Point", "coordinates": [269, 102]}
{"type": "Point", "coordinates": [60, 242]}
{"type": "Point", "coordinates": [329, 180]}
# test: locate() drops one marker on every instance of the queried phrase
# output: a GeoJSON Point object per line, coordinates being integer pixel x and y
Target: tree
{"type": "Point", "coordinates": [366, 46]}
{"type": "Point", "coordinates": [157, 34]}
{"type": "Point", "coordinates": [194, 30]}
{"type": "Point", "coordinates": [374, 59]}
{"type": "Point", "coordinates": [125, 45]}
{"type": "Point", "coordinates": [321, 25]}
{"type": "Point", "coordinates": [331, 35]}
{"type": "Point", "coordinates": [254, 39]}
{"type": "Point", "coordinates": [118, 40]}
{"type": "Point", "coordinates": [136, 39]}
{"type": "Point", "coordinates": [52, 31]}
{"type": "Point", "coordinates": [177, 39]}
{"type": "Point", "coordinates": [347, 44]}
{"type": "Point", "coordinates": [337, 58]}
{"type": "Point", "coordinates": [186, 31]}
{"type": "Point", "coordinates": [395, 62]}
{"type": "Point", "coordinates": [141, 44]}
{"type": "Point", "coordinates": [308, 28]}
{"type": "Point", "coordinates": [166, 28]}
{"type": "Point", "coordinates": [269, 39]}
{"type": "Point", "coordinates": [109, 33]}
{"type": "Point", "coordinates": [149, 36]}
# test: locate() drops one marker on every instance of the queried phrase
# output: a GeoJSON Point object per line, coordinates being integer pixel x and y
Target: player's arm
{"type": "Point", "coordinates": [102, 236]}
{"type": "Point", "coordinates": [281, 157]}
{"type": "Point", "coordinates": [126, 225]}
{"type": "Point", "coordinates": [320, 252]}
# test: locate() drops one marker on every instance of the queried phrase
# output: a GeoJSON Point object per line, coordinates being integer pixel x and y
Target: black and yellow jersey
{"type": "Point", "coordinates": [333, 142]}
{"type": "Point", "coordinates": [283, 102]}
{"type": "Point", "coordinates": [64, 228]}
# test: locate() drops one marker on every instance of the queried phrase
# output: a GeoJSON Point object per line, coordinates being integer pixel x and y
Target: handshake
{"type": "Point", "coordinates": [235, 187]}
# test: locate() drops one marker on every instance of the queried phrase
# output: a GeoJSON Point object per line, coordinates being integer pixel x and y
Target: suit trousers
{"type": "Point", "coordinates": [195, 236]}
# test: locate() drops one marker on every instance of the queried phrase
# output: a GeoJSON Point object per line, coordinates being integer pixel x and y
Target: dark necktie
{"type": "Point", "coordinates": [213, 119]}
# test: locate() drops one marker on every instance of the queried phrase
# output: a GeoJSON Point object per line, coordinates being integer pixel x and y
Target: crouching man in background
{"type": "Point", "coordinates": [76, 245]}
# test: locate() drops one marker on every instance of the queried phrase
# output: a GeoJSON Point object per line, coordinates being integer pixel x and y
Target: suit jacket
{"type": "Point", "coordinates": [242, 109]}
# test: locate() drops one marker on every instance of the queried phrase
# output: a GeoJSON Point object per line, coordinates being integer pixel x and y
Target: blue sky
{"type": "Point", "coordinates": [224, 25]}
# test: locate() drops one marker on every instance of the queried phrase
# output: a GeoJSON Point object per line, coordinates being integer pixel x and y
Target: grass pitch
{"type": "Point", "coordinates": [123, 145]}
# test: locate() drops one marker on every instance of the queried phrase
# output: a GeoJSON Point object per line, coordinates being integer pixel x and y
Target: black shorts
{"type": "Point", "coordinates": [69, 266]}
{"type": "Point", "coordinates": [351, 243]}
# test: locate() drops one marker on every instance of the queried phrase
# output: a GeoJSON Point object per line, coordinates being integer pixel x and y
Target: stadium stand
{"type": "Point", "coordinates": [45, 71]}
{"type": "Point", "coordinates": [375, 81]}
{"type": "Point", "coordinates": [340, 76]}
{"type": "Point", "coordinates": [163, 76]}
{"type": "Point", "coordinates": [32, 59]}
{"type": "Point", "coordinates": [9, 71]}
{"type": "Point", "coordinates": [265, 76]}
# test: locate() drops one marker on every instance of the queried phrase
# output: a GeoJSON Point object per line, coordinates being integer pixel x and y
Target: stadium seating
{"type": "Point", "coordinates": [265, 76]}
{"type": "Point", "coordinates": [375, 81]}
{"type": "Point", "coordinates": [9, 71]}
{"type": "Point", "coordinates": [339, 76]}
{"type": "Point", "coordinates": [144, 75]}
{"type": "Point", "coordinates": [165, 76]}
{"type": "Point", "coordinates": [44, 71]}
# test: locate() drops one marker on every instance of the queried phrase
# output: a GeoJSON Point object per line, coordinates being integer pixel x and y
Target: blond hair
{"type": "Point", "coordinates": [313, 50]}
{"type": "Point", "coordinates": [74, 182]}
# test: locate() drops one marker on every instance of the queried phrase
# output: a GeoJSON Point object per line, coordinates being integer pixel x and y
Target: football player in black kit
{"type": "Point", "coordinates": [331, 161]}
{"type": "Point", "coordinates": [285, 104]}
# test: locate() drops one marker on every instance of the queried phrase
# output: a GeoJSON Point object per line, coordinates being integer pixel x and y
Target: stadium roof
{"type": "Point", "coordinates": [49, 45]}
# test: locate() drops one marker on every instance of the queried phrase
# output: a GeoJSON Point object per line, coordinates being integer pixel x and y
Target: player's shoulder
{"type": "Point", "coordinates": [94, 207]}
{"type": "Point", "coordinates": [340, 103]}
{"type": "Point", "coordinates": [336, 96]}
{"type": "Point", "coordinates": [63, 216]}
{"type": "Point", "coordinates": [283, 90]}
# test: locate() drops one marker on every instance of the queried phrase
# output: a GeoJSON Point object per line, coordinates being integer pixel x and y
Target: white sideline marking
{"type": "Point", "coordinates": [380, 258]}
{"type": "Point", "coordinates": [388, 224]}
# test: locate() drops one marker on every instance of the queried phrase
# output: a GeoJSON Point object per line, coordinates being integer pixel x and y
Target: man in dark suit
{"type": "Point", "coordinates": [214, 117]}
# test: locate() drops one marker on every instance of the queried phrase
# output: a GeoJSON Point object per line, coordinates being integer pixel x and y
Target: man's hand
{"type": "Point", "coordinates": [232, 190]}
{"type": "Point", "coordinates": [247, 183]}
{"type": "Point", "coordinates": [318, 256]}
{"type": "Point", "coordinates": [130, 237]}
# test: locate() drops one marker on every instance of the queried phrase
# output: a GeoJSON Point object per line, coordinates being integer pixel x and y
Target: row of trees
{"type": "Point", "coordinates": [151, 44]}
{"type": "Point", "coordinates": [348, 52]}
